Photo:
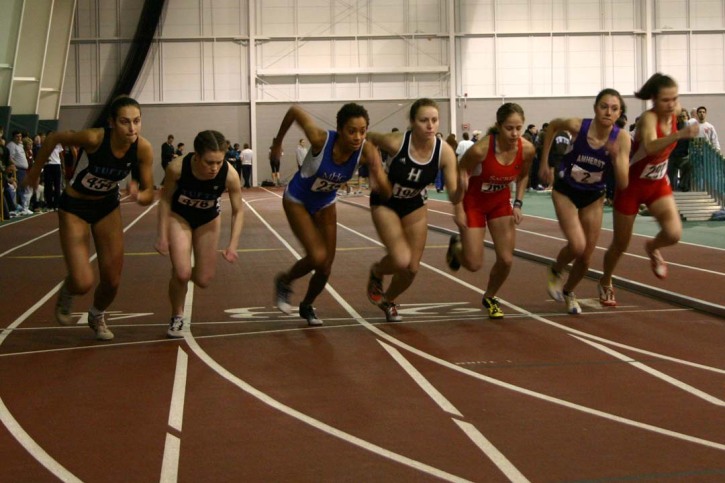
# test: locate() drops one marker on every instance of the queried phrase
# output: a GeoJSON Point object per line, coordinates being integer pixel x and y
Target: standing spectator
{"type": "Point", "coordinates": [52, 176]}
{"type": "Point", "coordinates": [539, 144]}
{"type": "Point", "coordinates": [300, 153]}
{"type": "Point", "coordinates": [179, 150]}
{"type": "Point", "coordinates": [16, 155]}
{"type": "Point", "coordinates": [167, 151]}
{"type": "Point", "coordinates": [530, 136]}
{"type": "Point", "coordinates": [707, 130]}
{"type": "Point", "coordinates": [247, 160]}
{"type": "Point", "coordinates": [463, 146]}
{"type": "Point", "coordinates": [678, 167]}
{"type": "Point", "coordinates": [232, 157]}
{"type": "Point", "coordinates": [275, 159]}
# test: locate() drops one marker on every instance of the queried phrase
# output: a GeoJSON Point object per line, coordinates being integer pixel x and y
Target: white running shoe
{"type": "Point", "coordinates": [282, 292]}
{"type": "Point", "coordinates": [572, 306]}
{"type": "Point", "coordinates": [98, 324]}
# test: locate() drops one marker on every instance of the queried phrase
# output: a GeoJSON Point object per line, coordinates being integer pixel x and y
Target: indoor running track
{"type": "Point", "coordinates": [635, 392]}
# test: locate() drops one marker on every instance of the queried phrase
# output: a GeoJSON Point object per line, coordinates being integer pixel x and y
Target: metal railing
{"type": "Point", "coordinates": [708, 169]}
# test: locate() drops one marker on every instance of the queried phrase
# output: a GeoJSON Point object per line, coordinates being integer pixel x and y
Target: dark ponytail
{"type": "Point", "coordinates": [654, 84]}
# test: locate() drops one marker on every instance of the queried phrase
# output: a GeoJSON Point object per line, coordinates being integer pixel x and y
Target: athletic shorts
{"type": "Point", "coordinates": [90, 211]}
{"type": "Point", "coordinates": [274, 164]}
{"type": "Point", "coordinates": [580, 198]}
{"type": "Point", "coordinates": [401, 206]}
{"type": "Point", "coordinates": [640, 191]}
{"type": "Point", "coordinates": [312, 204]}
{"type": "Point", "coordinates": [481, 207]}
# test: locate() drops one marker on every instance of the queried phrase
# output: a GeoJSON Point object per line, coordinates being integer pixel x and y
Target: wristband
{"type": "Point", "coordinates": [518, 204]}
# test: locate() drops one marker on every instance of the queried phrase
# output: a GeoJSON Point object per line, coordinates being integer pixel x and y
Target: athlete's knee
{"type": "Point", "coordinates": [81, 285]}
{"type": "Point", "coordinates": [401, 260]}
{"type": "Point", "coordinates": [318, 257]}
{"type": "Point", "coordinates": [472, 265]}
{"type": "Point", "coordinates": [203, 280]}
{"type": "Point", "coordinates": [671, 236]}
{"type": "Point", "coordinates": [182, 275]}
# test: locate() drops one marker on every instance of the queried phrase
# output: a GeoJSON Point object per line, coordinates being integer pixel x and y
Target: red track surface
{"type": "Point", "coordinates": [636, 392]}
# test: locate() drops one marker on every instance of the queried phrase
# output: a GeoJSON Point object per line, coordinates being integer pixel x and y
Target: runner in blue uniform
{"type": "Point", "coordinates": [413, 160]}
{"type": "Point", "coordinates": [309, 199]}
{"type": "Point", "coordinates": [189, 218]}
{"type": "Point", "coordinates": [597, 147]}
{"type": "Point", "coordinates": [90, 206]}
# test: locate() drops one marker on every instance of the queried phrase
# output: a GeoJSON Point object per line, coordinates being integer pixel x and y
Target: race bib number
{"type": "Point", "coordinates": [94, 183]}
{"type": "Point", "coordinates": [492, 188]}
{"type": "Point", "coordinates": [582, 176]}
{"type": "Point", "coordinates": [323, 186]}
{"type": "Point", "coordinates": [654, 171]}
{"type": "Point", "coordinates": [404, 192]}
{"type": "Point", "coordinates": [196, 203]}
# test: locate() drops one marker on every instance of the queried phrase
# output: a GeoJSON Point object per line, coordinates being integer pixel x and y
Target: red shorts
{"type": "Point", "coordinates": [640, 191]}
{"type": "Point", "coordinates": [480, 207]}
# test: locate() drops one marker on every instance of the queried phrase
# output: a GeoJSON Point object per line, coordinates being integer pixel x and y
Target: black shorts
{"type": "Point", "coordinates": [90, 211]}
{"type": "Point", "coordinates": [580, 198]}
{"type": "Point", "coordinates": [274, 164]}
{"type": "Point", "coordinates": [401, 206]}
{"type": "Point", "coordinates": [194, 217]}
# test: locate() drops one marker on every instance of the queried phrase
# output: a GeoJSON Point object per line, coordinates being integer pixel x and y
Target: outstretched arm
{"type": "Point", "coordinates": [234, 187]}
{"type": "Point", "coordinates": [316, 135]}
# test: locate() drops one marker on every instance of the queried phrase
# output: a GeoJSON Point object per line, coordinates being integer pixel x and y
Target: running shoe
{"type": "Point", "coordinates": [454, 247]}
{"type": "Point", "coordinates": [307, 312]}
{"type": "Point", "coordinates": [375, 289]}
{"type": "Point", "coordinates": [391, 311]}
{"type": "Point", "coordinates": [606, 295]}
{"type": "Point", "coordinates": [63, 306]}
{"type": "Point", "coordinates": [98, 324]}
{"type": "Point", "coordinates": [494, 311]}
{"type": "Point", "coordinates": [555, 285]}
{"type": "Point", "coordinates": [176, 327]}
{"type": "Point", "coordinates": [659, 267]}
{"type": "Point", "coordinates": [282, 293]}
{"type": "Point", "coordinates": [572, 306]}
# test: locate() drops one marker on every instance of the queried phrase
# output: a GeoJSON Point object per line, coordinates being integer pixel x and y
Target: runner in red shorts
{"type": "Point", "coordinates": [485, 173]}
{"type": "Point", "coordinates": [654, 140]}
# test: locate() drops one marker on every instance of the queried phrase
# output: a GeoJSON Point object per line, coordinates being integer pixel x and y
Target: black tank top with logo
{"type": "Point", "coordinates": [102, 171]}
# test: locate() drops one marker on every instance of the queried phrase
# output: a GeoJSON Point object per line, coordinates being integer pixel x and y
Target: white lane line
{"type": "Point", "coordinates": [33, 448]}
{"type": "Point", "coordinates": [170, 463]}
{"type": "Point", "coordinates": [317, 424]}
{"type": "Point", "coordinates": [419, 379]}
{"type": "Point", "coordinates": [508, 469]}
{"type": "Point", "coordinates": [176, 411]}
{"type": "Point", "coordinates": [521, 390]}
{"type": "Point", "coordinates": [654, 372]}
{"type": "Point", "coordinates": [7, 418]}
{"type": "Point", "coordinates": [27, 243]}
{"type": "Point", "coordinates": [304, 418]}
{"type": "Point", "coordinates": [491, 452]}
{"type": "Point", "coordinates": [595, 412]}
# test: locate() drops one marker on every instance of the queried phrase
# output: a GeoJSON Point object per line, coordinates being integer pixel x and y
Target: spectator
{"type": "Point", "coordinates": [247, 157]}
{"type": "Point", "coordinates": [707, 130]}
{"type": "Point", "coordinates": [167, 151]}
{"type": "Point", "coordinates": [300, 153]}
{"type": "Point", "coordinates": [52, 177]}
{"type": "Point", "coordinates": [179, 150]}
{"type": "Point", "coordinates": [17, 156]}
{"type": "Point", "coordinates": [463, 145]}
{"type": "Point", "coordinates": [678, 167]}
{"type": "Point", "coordinates": [232, 157]}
